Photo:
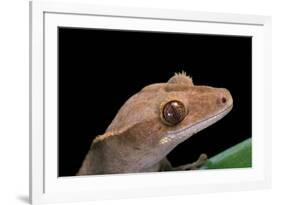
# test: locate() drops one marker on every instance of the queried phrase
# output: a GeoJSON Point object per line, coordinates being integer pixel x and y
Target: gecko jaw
{"type": "Point", "coordinates": [185, 133]}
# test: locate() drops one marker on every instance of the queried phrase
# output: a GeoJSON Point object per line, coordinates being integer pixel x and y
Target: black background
{"type": "Point", "coordinates": [100, 69]}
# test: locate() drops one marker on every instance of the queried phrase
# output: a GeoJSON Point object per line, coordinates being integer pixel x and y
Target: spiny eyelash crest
{"type": "Point", "coordinates": [181, 78]}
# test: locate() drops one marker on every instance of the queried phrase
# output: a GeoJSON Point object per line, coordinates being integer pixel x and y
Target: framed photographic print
{"type": "Point", "coordinates": [134, 102]}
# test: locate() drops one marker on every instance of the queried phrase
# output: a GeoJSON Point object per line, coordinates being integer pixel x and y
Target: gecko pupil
{"type": "Point", "coordinates": [174, 112]}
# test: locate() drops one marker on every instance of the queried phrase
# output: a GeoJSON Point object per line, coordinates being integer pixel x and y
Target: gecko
{"type": "Point", "coordinates": [151, 123]}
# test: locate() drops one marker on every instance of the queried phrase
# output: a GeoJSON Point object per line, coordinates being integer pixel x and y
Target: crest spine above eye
{"type": "Point", "coordinates": [181, 78]}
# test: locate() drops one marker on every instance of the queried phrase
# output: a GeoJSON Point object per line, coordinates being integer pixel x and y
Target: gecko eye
{"type": "Point", "coordinates": [173, 112]}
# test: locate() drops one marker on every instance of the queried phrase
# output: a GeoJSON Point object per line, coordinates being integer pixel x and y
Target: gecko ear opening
{"type": "Point", "coordinates": [181, 78]}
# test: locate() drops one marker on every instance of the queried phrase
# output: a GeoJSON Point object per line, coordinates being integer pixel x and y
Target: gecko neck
{"type": "Point", "coordinates": [103, 158]}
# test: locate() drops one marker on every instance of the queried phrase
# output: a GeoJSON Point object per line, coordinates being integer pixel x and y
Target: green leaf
{"type": "Point", "coordinates": [238, 156]}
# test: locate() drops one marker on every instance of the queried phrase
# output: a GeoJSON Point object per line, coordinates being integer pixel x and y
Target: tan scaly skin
{"type": "Point", "coordinates": [140, 136]}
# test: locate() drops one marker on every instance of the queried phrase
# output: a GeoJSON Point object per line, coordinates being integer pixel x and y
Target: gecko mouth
{"type": "Point", "coordinates": [187, 132]}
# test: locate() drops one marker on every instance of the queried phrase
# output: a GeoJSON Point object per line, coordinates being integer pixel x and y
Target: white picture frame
{"type": "Point", "coordinates": [46, 187]}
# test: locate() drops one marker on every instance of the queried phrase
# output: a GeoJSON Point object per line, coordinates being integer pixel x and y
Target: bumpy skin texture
{"type": "Point", "coordinates": [138, 139]}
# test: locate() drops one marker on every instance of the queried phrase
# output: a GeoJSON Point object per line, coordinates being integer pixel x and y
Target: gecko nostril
{"type": "Point", "coordinates": [223, 100]}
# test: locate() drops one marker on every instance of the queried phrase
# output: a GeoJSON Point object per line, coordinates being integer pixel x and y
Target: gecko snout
{"type": "Point", "coordinates": [225, 98]}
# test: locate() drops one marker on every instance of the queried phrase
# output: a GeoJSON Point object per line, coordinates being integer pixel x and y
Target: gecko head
{"type": "Point", "coordinates": [161, 116]}
{"type": "Point", "coordinates": [188, 108]}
